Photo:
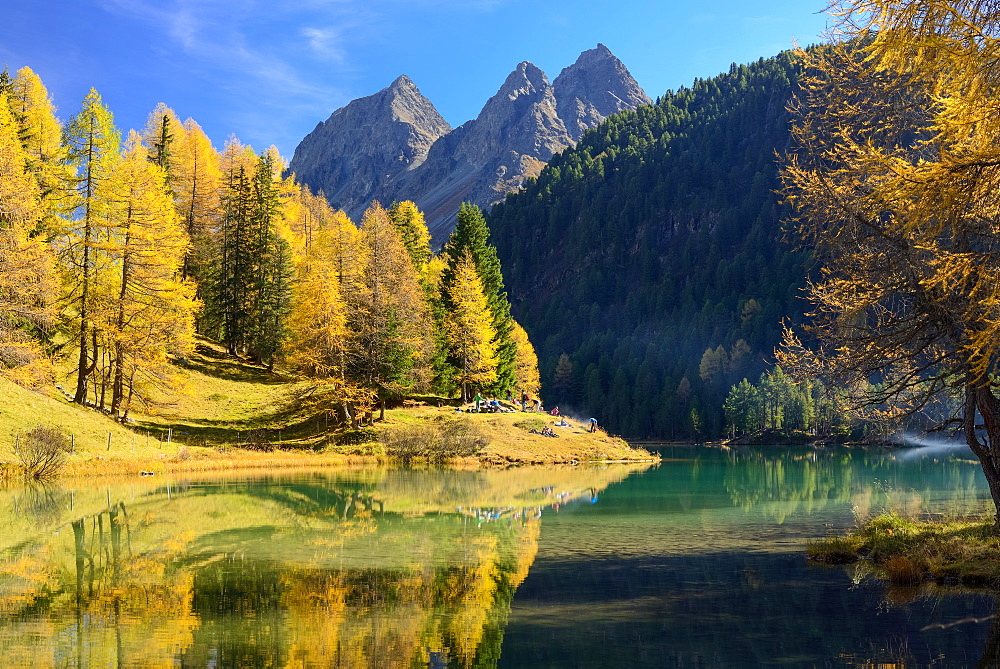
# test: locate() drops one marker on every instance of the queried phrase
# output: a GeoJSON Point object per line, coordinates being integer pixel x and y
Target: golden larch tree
{"type": "Point", "coordinates": [196, 180]}
{"type": "Point", "coordinates": [92, 142]}
{"type": "Point", "coordinates": [148, 313]}
{"type": "Point", "coordinates": [895, 178]}
{"type": "Point", "coordinates": [41, 136]}
{"type": "Point", "coordinates": [389, 319]}
{"type": "Point", "coordinates": [28, 289]}
{"type": "Point", "coordinates": [470, 330]}
{"type": "Point", "coordinates": [409, 220]}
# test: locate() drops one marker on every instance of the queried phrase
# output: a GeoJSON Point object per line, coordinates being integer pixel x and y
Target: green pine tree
{"type": "Point", "coordinates": [471, 234]}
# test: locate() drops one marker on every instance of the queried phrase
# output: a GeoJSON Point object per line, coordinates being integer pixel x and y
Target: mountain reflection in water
{"type": "Point", "coordinates": [698, 561]}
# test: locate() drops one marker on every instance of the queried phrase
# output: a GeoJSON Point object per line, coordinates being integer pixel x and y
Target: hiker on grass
{"type": "Point", "coordinates": [477, 399]}
{"type": "Point", "coordinates": [593, 425]}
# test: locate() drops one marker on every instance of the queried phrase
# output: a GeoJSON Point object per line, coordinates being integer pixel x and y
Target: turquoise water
{"type": "Point", "coordinates": [700, 563]}
{"type": "Point", "coordinates": [695, 562]}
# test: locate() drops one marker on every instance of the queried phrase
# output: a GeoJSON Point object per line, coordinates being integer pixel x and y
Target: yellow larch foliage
{"type": "Point", "coordinates": [477, 585]}
{"type": "Point", "coordinates": [470, 330]}
{"type": "Point", "coordinates": [895, 179]}
{"type": "Point", "coordinates": [41, 135]}
{"type": "Point", "coordinates": [146, 311]}
{"type": "Point", "coordinates": [412, 227]}
{"type": "Point", "coordinates": [318, 323]}
{"type": "Point", "coordinates": [390, 319]}
{"type": "Point", "coordinates": [195, 180]}
{"type": "Point", "coordinates": [28, 287]}
{"type": "Point", "coordinates": [525, 362]}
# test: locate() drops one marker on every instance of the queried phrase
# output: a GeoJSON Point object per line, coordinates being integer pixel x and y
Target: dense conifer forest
{"type": "Point", "coordinates": [647, 263]}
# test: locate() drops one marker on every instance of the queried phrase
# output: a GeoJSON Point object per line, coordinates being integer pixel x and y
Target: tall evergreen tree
{"type": "Point", "coordinates": [471, 234]}
{"type": "Point", "coordinates": [251, 281]}
{"type": "Point", "coordinates": [159, 136]}
{"type": "Point", "coordinates": [270, 263]}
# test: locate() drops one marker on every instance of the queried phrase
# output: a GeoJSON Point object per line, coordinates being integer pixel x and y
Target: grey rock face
{"type": "Point", "coordinates": [365, 143]}
{"type": "Point", "coordinates": [515, 134]}
{"type": "Point", "coordinates": [596, 86]}
{"type": "Point", "coordinates": [395, 146]}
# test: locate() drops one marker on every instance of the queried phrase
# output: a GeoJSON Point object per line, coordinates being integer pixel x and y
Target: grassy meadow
{"type": "Point", "coordinates": [232, 414]}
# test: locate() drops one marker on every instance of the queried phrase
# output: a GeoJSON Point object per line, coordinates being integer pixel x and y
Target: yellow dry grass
{"type": "Point", "coordinates": [225, 400]}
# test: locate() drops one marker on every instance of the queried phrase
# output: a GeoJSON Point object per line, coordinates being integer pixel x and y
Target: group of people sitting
{"type": "Point", "coordinates": [482, 405]}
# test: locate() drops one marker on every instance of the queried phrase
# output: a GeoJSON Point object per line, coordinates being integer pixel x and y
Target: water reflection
{"type": "Point", "coordinates": [810, 480]}
{"type": "Point", "coordinates": [695, 562]}
{"type": "Point", "coordinates": [365, 568]}
{"type": "Point", "coordinates": [700, 563]}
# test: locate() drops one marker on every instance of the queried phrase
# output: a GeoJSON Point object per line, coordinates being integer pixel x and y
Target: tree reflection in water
{"type": "Point", "coordinates": [311, 571]}
{"type": "Point", "coordinates": [396, 568]}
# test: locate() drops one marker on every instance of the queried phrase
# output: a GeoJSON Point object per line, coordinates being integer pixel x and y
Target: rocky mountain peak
{"type": "Point", "coordinates": [526, 79]}
{"type": "Point", "coordinates": [596, 86]}
{"type": "Point", "coordinates": [366, 141]}
{"type": "Point", "coordinates": [401, 82]}
{"type": "Point", "coordinates": [394, 145]}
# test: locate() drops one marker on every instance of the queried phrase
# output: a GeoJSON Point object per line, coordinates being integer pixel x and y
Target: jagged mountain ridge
{"type": "Point", "coordinates": [361, 153]}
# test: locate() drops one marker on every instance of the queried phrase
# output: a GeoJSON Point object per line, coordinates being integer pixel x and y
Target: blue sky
{"type": "Point", "coordinates": [269, 70]}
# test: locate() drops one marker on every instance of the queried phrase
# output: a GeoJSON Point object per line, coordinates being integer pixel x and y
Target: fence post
{"type": "Point", "coordinates": [72, 442]}
{"type": "Point", "coordinates": [109, 440]}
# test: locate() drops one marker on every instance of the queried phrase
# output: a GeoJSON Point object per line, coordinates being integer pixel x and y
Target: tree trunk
{"type": "Point", "coordinates": [981, 398]}
{"type": "Point", "coordinates": [83, 372]}
{"type": "Point", "coordinates": [343, 414]}
{"type": "Point", "coordinates": [118, 383]}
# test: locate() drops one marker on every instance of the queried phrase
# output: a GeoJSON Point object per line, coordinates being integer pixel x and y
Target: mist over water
{"type": "Point", "coordinates": [923, 446]}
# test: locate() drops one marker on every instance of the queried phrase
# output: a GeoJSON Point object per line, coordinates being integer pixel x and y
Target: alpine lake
{"type": "Point", "coordinates": [697, 561]}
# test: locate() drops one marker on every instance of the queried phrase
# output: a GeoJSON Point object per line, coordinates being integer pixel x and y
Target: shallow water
{"type": "Point", "coordinates": [695, 562]}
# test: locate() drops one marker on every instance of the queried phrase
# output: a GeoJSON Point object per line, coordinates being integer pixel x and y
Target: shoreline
{"type": "Point", "coordinates": [408, 437]}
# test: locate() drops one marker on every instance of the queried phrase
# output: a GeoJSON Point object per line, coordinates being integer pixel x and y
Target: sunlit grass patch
{"type": "Point", "coordinates": [530, 424]}
{"type": "Point", "coordinates": [905, 551]}
{"type": "Point", "coordinates": [834, 550]}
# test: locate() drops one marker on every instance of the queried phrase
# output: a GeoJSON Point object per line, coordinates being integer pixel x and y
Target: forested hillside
{"type": "Point", "coordinates": [114, 256]}
{"type": "Point", "coordinates": [647, 264]}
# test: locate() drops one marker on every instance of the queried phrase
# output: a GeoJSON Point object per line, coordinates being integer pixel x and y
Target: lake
{"type": "Point", "coordinates": [695, 562]}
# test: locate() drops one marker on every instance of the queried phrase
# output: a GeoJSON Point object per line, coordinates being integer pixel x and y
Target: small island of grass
{"type": "Point", "coordinates": [910, 552]}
